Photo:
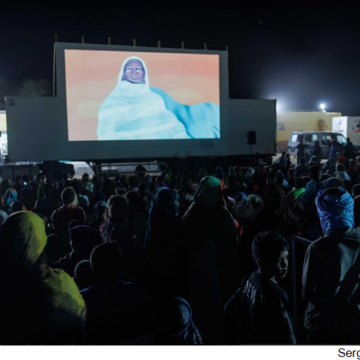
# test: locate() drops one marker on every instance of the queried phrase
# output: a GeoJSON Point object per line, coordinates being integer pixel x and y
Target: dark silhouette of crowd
{"type": "Point", "coordinates": [183, 258]}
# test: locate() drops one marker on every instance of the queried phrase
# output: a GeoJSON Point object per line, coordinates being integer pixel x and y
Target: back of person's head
{"type": "Point", "coordinates": [76, 185]}
{"type": "Point", "coordinates": [134, 201]}
{"type": "Point", "coordinates": [312, 163]}
{"type": "Point", "coordinates": [18, 179]}
{"type": "Point", "coordinates": [152, 187]}
{"type": "Point", "coordinates": [134, 182]}
{"type": "Point", "coordinates": [315, 173]}
{"type": "Point", "coordinates": [340, 167]}
{"type": "Point", "coordinates": [314, 159]}
{"type": "Point", "coordinates": [231, 181]}
{"type": "Point", "coordinates": [107, 261]}
{"type": "Point", "coordinates": [299, 183]}
{"type": "Point", "coordinates": [85, 178]}
{"type": "Point", "coordinates": [316, 142]}
{"type": "Point", "coordinates": [267, 245]}
{"type": "Point", "coordinates": [68, 196]}
{"type": "Point", "coordinates": [302, 161]}
{"type": "Point", "coordinates": [74, 223]}
{"type": "Point", "coordinates": [160, 181]}
{"type": "Point", "coordinates": [84, 275]}
{"type": "Point", "coordinates": [291, 173]}
{"type": "Point", "coordinates": [17, 206]}
{"type": "Point", "coordinates": [325, 176]}
{"type": "Point", "coordinates": [25, 192]}
{"type": "Point", "coordinates": [48, 190]}
{"type": "Point", "coordinates": [4, 186]}
{"type": "Point", "coordinates": [117, 209]}
{"type": "Point", "coordinates": [283, 153]}
{"type": "Point", "coordinates": [356, 190]}
{"type": "Point", "coordinates": [144, 190]}
{"type": "Point", "coordinates": [306, 179]}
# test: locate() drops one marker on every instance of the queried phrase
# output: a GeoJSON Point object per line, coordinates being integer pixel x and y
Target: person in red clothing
{"type": "Point", "coordinates": [70, 210]}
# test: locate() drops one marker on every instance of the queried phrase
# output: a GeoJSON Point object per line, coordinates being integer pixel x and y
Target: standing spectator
{"type": "Point", "coordinates": [331, 272]}
{"type": "Point", "coordinates": [48, 204]}
{"type": "Point", "coordinates": [300, 151]}
{"type": "Point", "coordinates": [353, 171]}
{"type": "Point", "coordinates": [335, 148]}
{"type": "Point", "coordinates": [258, 313]}
{"type": "Point", "coordinates": [316, 151]}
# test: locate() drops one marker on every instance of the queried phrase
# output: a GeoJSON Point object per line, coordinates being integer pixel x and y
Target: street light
{"type": "Point", "coordinates": [322, 107]}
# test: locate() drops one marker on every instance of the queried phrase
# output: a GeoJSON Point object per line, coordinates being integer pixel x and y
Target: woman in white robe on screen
{"type": "Point", "coordinates": [133, 112]}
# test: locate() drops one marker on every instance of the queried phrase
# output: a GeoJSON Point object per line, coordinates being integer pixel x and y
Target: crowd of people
{"type": "Point", "coordinates": [182, 258]}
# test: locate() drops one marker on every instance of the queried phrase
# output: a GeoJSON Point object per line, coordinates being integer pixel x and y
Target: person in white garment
{"type": "Point", "coordinates": [133, 112]}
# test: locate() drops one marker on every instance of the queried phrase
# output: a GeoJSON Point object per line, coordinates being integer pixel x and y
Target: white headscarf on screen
{"type": "Point", "coordinates": [134, 112]}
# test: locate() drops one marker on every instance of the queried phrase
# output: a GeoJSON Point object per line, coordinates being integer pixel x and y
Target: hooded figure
{"type": "Point", "coordinates": [165, 258]}
{"type": "Point", "coordinates": [213, 269]}
{"type": "Point", "coordinates": [176, 325]}
{"type": "Point", "coordinates": [39, 305]}
{"type": "Point", "coordinates": [133, 112]}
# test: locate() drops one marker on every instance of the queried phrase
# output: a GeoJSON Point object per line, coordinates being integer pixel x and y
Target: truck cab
{"type": "Point", "coordinates": [309, 137]}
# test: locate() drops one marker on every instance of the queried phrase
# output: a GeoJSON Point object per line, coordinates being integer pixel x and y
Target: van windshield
{"type": "Point", "coordinates": [341, 140]}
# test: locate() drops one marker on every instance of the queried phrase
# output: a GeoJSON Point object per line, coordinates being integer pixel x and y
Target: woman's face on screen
{"type": "Point", "coordinates": [134, 72]}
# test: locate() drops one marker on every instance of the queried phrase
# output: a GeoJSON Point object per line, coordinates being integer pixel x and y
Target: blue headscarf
{"type": "Point", "coordinates": [335, 209]}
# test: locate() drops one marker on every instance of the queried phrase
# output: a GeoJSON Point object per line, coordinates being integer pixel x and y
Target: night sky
{"type": "Point", "coordinates": [301, 57]}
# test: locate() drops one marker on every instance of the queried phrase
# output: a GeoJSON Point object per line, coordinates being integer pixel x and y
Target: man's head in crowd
{"type": "Point", "coordinates": [134, 182]}
{"type": "Point", "coordinates": [117, 209]}
{"type": "Point", "coordinates": [65, 176]}
{"type": "Point", "coordinates": [315, 173]}
{"type": "Point", "coordinates": [302, 161]}
{"type": "Point", "coordinates": [299, 183]}
{"type": "Point", "coordinates": [107, 262]}
{"type": "Point", "coordinates": [19, 179]}
{"type": "Point", "coordinates": [271, 252]}
{"type": "Point", "coordinates": [85, 178]}
{"type": "Point", "coordinates": [340, 167]}
{"type": "Point", "coordinates": [68, 196]}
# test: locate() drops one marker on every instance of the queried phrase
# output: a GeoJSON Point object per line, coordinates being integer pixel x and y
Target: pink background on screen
{"type": "Point", "coordinates": [92, 75]}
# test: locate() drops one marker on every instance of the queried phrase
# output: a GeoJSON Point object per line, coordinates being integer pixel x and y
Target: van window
{"type": "Point", "coordinates": [326, 139]}
{"type": "Point", "coordinates": [308, 138]}
{"type": "Point", "coordinates": [341, 140]}
{"type": "Point", "coordinates": [294, 138]}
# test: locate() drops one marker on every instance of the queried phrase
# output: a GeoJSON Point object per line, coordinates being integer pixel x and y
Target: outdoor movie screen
{"type": "Point", "coordinates": [122, 95]}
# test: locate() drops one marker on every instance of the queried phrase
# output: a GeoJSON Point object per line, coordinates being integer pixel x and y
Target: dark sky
{"type": "Point", "coordinates": [300, 56]}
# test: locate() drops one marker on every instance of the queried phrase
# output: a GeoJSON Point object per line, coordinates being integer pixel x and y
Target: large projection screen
{"type": "Point", "coordinates": [178, 109]}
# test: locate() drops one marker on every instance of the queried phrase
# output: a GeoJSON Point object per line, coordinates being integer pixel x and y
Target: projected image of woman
{"type": "Point", "coordinates": [133, 112]}
{"type": "Point", "coordinates": [136, 111]}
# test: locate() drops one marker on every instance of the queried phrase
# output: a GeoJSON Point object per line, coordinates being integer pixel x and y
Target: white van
{"type": "Point", "coordinates": [309, 137]}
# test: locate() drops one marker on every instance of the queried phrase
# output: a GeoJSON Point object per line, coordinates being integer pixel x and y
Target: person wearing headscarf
{"type": "Point", "coordinates": [249, 175]}
{"type": "Point", "coordinates": [165, 251]}
{"type": "Point", "coordinates": [39, 305]}
{"type": "Point", "coordinates": [9, 198]}
{"type": "Point", "coordinates": [176, 325]}
{"type": "Point", "coordinates": [83, 239]}
{"type": "Point", "coordinates": [275, 215]}
{"type": "Point", "coordinates": [331, 272]}
{"type": "Point", "coordinates": [133, 111]}
{"type": "Point", "coordinates": [213, 268]}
